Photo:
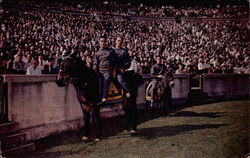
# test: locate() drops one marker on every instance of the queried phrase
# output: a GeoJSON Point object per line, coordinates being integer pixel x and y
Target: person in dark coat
{"type": "Point", "coordinates": [124, 63]}
{"type": "Point", "coordinates": [49, 68]}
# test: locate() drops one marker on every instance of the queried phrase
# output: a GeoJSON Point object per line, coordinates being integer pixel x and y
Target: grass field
{"type": "Point", "coordinates": [218, 130]}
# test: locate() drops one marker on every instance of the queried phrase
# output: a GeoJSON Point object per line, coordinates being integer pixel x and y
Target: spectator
{"type": "Point", "coordinates": [146, 67]}
{"type": "Point", "coordinates": [49, 68]}
{"type": "Point", "coordinates": [217, 69]}
{"type": "Point", "coordinates": [34, 69]}
{"type": "Point", "coordinates": [28, 61]}
{"type": "Point", "coordinates": [41, 61]}
{"type": "Point", "coordinates": [19, 66]}
{"type": "Point", "coordinates": [4, 63]}
{"type": "Point", "coordinates": [134, 65]}
{"type": "Point", "coordinates": [54, 34]}
{"type": "Point", "coordinates": [180, 69]}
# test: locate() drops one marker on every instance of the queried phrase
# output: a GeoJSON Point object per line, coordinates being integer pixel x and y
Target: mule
{"type": "Point", "coordinates": [163, 94]}
{"type": "Point", "coordinates": [87, 85]}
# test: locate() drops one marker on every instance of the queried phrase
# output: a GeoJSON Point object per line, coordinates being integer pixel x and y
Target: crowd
{"type": "Point", "coordinates": [129, 9]}
{"type": "Point", "coordinates": [40, 39]}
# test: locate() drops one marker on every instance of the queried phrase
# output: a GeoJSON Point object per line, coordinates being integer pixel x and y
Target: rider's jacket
{"type": "Point", "coordinates": [158, 69]}
{"type": "Point", "coordinates": [124, 61]}
{"type": "Point", "coordinates": [105, 59]}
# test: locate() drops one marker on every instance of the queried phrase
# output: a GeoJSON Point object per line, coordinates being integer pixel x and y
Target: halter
{"type": "Point", "coordinates": [73, 61]}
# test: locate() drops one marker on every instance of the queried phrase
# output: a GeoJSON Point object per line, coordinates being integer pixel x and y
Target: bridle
{"type": "Point", "coordinates": [62, 73]}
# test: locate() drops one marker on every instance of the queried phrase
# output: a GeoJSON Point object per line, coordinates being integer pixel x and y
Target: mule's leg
{"type": "Point", "coordinates": [169, 97]}
{"type": "Point", "coordinates": [131, 112]}
{"type": "Point", "coordinates": [164, 108]}
{"type": "Point", "coordinates": [134, 109]}
{"type": "Point", "coordinates": [152, 103]}
{"type": "Point", "coordinates": [97, 122]}
{"type": "Point", "coordinates": [158, 107]}
{"type": "Point", "coordinates": [165, 104]}
{"type": "Point", "coordinates": [167, 100]}
{"type": "Point", "coordinates": [86, 119]}
{"type": "Point", "coordinates": [127, 116]}
{"type": "Point", "coordinates": [134, 117]}
{"type": "Point", "coordinates": [153, 92]}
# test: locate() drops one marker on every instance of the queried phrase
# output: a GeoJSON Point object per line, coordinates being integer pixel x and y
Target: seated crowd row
{"type": "Point", "coordinates": [43, 38]}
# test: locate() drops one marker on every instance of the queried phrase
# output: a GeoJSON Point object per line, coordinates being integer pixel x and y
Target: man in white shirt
{"type": "Point", "coordinates": [41, 61]}
{"type": "Point", "coordinates": [34, 69]}
{"type": "Point", "coordinates": [134, 66]}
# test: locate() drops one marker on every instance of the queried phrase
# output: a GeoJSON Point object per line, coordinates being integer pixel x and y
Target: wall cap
{"type": "Point", "coordinates": [225, 75]}
{"type": "Point", "coordinates": [52, 77]}
{"type": "Point", "coordinates": [31, 78]}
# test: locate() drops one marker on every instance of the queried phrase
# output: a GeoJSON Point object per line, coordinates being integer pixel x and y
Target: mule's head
{"type": "Point", "coordinates": [66, 71]}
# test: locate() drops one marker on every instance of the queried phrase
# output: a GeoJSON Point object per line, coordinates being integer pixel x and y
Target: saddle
{"type": "Point", "coordinates": [115, 93]}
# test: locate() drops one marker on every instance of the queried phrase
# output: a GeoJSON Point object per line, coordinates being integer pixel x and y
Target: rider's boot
{"type": "Point", "coordinates": [128, 95]}
{"type": "Point", "coordinates": [104, 100]}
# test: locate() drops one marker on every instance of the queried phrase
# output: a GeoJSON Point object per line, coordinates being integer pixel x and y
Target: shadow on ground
{"type": "Point", "coordinates": [166, 131]}
{"type": "Point", "coordinates": [232, 135]}
{"type": "Point", "coordinates": [195, 114]}
{"type": "Point", "coordinates": [113, 126]}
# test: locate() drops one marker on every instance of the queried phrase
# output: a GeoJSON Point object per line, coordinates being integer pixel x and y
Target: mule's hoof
{"type": "Point", "coordinates": [84, 138]}
{"type": "Point", "coordinates": [97, 140]}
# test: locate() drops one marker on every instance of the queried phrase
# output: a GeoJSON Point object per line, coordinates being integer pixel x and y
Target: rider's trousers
{"type": "Point", "coordinates": [123, 84]}
{"type": "Point", "coordinates": [106, 77]}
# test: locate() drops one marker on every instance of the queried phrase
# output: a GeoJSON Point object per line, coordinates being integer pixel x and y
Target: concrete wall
{"type": "Point", "coordinates": [42, 108]}
{"type": "Point", "coordinates": [226, 86]}
{"type": "Point", "coordinates": [181, 89]}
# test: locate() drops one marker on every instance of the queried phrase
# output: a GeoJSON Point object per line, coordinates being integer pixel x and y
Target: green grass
{"type": "Point", "coordinates": [218, 130]}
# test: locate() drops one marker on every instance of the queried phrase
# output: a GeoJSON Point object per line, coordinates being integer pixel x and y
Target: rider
{"type": "Point", "coordinates": [124, 63]}
{"type": "Point", "coordinates": [105, 61]}
{"type": "Point", "coordinates": [157, 72]}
